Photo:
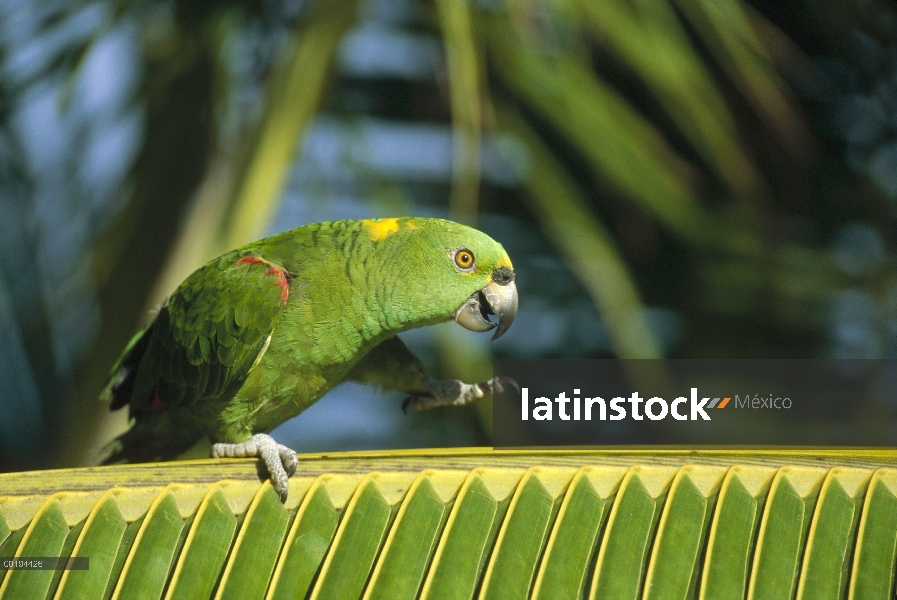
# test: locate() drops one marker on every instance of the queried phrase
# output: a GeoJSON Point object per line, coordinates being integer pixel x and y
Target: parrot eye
{"type": "Point", "coordinates": [464, 259]}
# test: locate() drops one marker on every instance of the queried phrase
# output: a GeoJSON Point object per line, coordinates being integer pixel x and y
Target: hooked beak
{"type": "Point", "coordinates": [498, 298]}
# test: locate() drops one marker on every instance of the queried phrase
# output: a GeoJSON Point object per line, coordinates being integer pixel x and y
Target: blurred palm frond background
{"type": "Point", "coordinates": [683, 178]}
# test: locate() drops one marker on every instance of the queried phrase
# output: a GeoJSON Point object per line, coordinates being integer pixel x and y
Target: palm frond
{"type": "Point", "coordinates": [466, 523]}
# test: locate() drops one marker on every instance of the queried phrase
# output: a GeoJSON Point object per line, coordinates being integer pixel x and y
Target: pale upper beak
{"type": "Point", "coordinates": [498, 298]}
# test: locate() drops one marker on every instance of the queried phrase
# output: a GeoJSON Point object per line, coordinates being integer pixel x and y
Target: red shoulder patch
{"type": "Point", "coordinates": [250, 260]}
{"type": "Point", "coordinates": [281, 281]}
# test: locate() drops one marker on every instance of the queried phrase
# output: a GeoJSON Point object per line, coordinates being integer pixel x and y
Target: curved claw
{"type": "Point", "coordinates": [279, 460]}
{"type": "Point", "coordinates": [498, 384]}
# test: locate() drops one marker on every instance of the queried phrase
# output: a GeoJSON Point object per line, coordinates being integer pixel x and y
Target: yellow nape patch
{"type": "Point", "coordinates": [380, 229]}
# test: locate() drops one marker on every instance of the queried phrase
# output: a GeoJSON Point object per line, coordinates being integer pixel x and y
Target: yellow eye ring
{"type": "Point", "coordinates": [464, 259]}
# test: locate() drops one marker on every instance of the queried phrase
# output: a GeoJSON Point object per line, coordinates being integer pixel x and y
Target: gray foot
{"type": "Point", "coordinates": [280, 460]}
{"type": "Point", "coordinates": [452, 392]}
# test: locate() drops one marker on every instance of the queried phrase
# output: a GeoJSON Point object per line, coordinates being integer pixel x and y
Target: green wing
{"type": "Point", "coordinates": [206, 338]}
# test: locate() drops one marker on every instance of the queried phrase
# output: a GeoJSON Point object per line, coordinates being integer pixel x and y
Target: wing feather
{"type": "Point", "coordinates": [210, 333]}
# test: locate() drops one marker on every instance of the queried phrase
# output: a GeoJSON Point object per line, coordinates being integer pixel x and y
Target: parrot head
{"type": "Point", "coordinates": [446, 262]}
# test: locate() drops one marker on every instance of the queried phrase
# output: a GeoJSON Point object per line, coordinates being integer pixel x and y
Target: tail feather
{"type": "Point", "coordinates": [153, 437]}
{"type": "Point", "coordinates": [123, 375]}
{"type": "Point", "coordinates": [156, 435]}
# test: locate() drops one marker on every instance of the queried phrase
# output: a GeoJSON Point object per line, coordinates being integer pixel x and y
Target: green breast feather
{"type": "Point", "coordinates": [257, 335]}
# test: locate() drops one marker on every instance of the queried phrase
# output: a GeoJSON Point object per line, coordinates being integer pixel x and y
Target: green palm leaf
{"type": "Point", "coordinates": [464, 524]}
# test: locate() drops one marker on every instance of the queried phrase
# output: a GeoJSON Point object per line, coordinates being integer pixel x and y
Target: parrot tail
{"type": "Point", "coordinates": [154, 437]}
{"type": "Point", "coordinates": [123, 375]}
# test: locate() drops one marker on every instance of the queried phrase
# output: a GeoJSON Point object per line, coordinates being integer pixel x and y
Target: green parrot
{"type": "Point", "coordinates": [259, 334]}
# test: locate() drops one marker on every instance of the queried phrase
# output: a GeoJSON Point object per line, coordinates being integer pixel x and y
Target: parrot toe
{"type": "Point", "coordinates": [452, 392]}
{"type": "Point", "coordinates": [280, 461]}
